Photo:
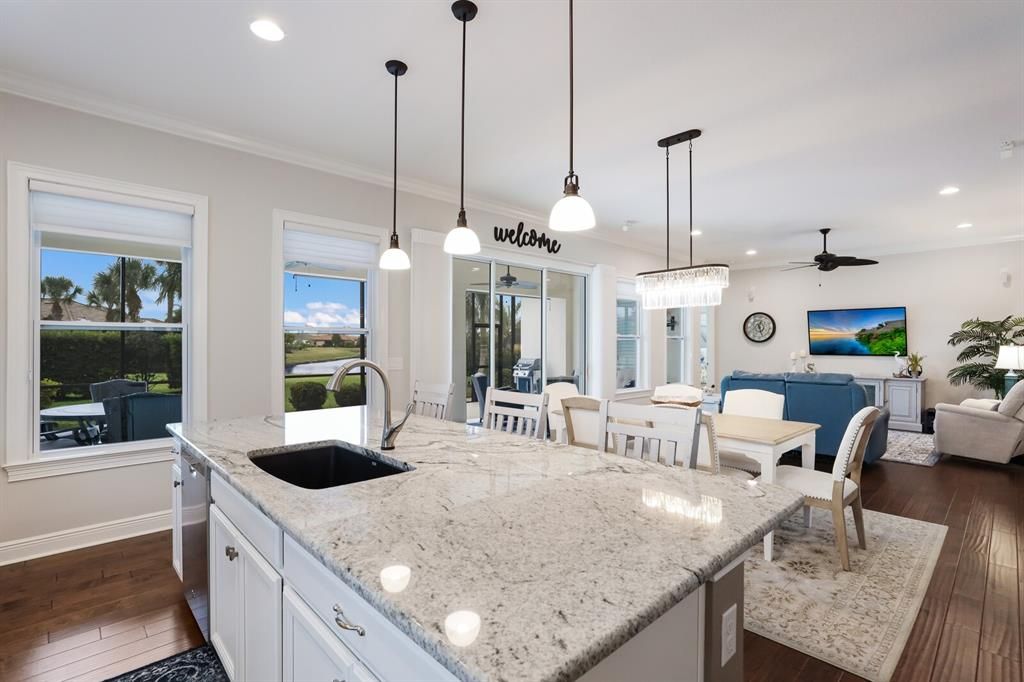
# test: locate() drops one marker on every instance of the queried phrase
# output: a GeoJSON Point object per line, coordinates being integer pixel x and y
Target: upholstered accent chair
{"type": "Point", "coordinates": [992, 431]}
{"type": "Point", "coordinates": [840, 489]}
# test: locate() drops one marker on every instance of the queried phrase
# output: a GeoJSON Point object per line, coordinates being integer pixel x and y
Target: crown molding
{"type": "Point", "coordinates": [77, 100]}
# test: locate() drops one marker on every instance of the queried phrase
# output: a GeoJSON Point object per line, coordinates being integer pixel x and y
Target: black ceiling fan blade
{"type": "Point", "coordinates": [801, 267]}
{"type": "Point", "coordinates": [802, 262]}
{"type": "Point", "coordinates": [850, 260]}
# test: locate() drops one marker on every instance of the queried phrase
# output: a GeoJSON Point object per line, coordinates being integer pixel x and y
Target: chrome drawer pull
{"type": "Point", "coordinates": [344, 624]}
{"type": "Point", "coordinates": [231, 553]}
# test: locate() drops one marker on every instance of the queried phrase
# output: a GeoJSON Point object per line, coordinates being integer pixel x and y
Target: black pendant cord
{"type": "Point", "coordinates": [394, 195]}
{"type": "Point", "coordinates": [572, 172]}
{"type": "Point", "coordinates": [691, 203]}
{"type": "Point", "coordinates": [462, 132]}
{"type": "Point", "coordinates": [668, 265]}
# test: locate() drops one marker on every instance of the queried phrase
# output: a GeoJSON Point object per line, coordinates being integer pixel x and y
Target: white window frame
{"type": "Point", "coordinates": [21, 457]}
{"type": "Point", "coordinates": [376, 296]}
{"type": "Point", "coordinates": [626, 290]}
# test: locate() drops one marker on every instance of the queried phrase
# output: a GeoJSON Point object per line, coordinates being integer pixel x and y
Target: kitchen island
{"type": "Point", "coordinates": [503, 558]}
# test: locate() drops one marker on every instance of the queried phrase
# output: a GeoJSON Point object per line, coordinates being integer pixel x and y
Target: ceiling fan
{"type": "Point", "coordinates": [508, 281]}
{"type": "Point", "coordinates": [827, 262]}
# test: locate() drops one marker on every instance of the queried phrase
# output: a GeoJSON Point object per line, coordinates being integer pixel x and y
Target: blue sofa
{"type": "Point", "coordinates": [827, 399]}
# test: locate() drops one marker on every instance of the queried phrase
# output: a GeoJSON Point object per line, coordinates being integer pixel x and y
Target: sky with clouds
{"type": "Point", "coordinates": [320, 301]}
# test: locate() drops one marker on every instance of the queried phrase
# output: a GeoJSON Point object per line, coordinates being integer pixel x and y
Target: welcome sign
{"type": "Point", "coordinates": [523, 238]}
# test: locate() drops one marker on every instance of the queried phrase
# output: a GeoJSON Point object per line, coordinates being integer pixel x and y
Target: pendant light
{"type": "Point", "coordinates": [685, 287]}
{"type": "Point", "coordinates": [394, 258]}
{"type": "Point", "coordinates": [462, 241]}
{"type": "Point", "coordinates": [571, 213]}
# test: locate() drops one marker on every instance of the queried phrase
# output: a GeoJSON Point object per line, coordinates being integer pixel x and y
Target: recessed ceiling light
{"type": "Point", "coordinates": [266, 29]}
{"type": "Point", "coordinates": [964, 226]}
{"type": "Point", "coordinates": [696, 233]}
{"type": "Point", "coordinates": [948, 189]}
{"type": "Point", "coordinates": [751, 252]}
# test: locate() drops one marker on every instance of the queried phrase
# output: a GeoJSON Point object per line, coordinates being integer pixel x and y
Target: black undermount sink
{"type": "Point", "coordinates": [327, 466]}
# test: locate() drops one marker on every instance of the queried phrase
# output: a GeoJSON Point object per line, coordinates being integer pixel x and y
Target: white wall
{"type": "Point", "coordinates": [243, 191]}
{"type": "Point", "coordinates": [940, 289]}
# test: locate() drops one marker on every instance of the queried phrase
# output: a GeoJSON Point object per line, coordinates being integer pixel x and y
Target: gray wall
{"type": "Point", "coordinates": [243, 190]}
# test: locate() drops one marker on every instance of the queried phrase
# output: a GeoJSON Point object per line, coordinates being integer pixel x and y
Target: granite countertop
{"type": "Point", "coordinates": [564, 553]}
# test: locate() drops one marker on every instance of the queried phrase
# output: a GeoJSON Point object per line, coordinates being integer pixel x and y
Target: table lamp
{"type": "Point", "coordinates": [1010, 358]}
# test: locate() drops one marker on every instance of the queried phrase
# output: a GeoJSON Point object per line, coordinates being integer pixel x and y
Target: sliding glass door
{"type": "Point", "coordinates": [515, 327]}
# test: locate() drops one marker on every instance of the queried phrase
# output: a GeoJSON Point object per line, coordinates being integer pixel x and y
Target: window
{"type": "Point", "coordinates": [105, 339]}
{"type": "Point", "coordinates": [627, 345]}
{"type": "Point", "coordinates": [324, 326]}
{"type": "Point", "coordinates": [110, 348]}
{"type": "Point", "coordinates": [325, 316]}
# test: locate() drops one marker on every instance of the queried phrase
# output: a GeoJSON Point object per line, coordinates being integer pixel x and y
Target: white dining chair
{"type": "Point", "coordinates": [650, 432]}
{"type": "Point", "coordinates": [841, 488]}
{"type": "Point", "coordinates": [555, 393]}
{"type": "Point", "coordinates": [677, 394]}
{"type": "Point", "coordinates": [750, 402]}
{"type": "Point", "coordinates": [525, 414]}
{"type": "Point", "coordinates": [708, 454]}
{"type": "Point", "coordinates": [432, 400]}
{"type": "Point", "coordinates": [580, 413]}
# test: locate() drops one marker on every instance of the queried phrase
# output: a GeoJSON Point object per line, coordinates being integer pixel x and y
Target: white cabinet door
{"type": "Point", "coordinates": [261, 617]}
{"type": "Point", "coordinates": [903, 401]}
{"type": "Point", "coordinates": [226, 603]}
{"type": "Point", "coordinates": [311, 651]}
{"type": "Point", "coordinates": [176, 518]}
{"type": "Point", "coordinates": [245, 605]}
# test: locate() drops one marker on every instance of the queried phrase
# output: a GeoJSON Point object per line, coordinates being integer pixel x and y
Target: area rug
{"type": "Point", "coordinates": [195, 665]}
{"type": "Point", "coordinates": [907, 447]}
{"type": "Point", "coordinates": [858, 620]}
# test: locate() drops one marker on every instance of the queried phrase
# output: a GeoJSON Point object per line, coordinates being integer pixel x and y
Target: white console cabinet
{"type": "Point", "coordinates": [904, 396]}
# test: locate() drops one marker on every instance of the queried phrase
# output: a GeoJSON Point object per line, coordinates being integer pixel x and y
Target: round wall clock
{"type": "Point", "coordinates": [759, 327]}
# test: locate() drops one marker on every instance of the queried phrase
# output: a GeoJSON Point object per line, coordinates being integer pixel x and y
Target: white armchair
{"type": "Point", "coordinates": [993, 432]}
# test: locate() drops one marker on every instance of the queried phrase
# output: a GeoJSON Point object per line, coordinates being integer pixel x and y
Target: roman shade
{"type": "Point", "coordinates": [315, 251]}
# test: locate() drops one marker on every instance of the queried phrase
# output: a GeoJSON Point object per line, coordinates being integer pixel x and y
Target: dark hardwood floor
{"type": "Point", "coordinates": [93, 613]}
{"type": "Point", "coordinates": [969, 627]}
{"type": "Point", "coordinates": [98, 612]}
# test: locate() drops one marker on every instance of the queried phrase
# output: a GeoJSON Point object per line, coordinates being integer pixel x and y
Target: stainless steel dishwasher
{"type": "Point", "coordinates": [195, 511]}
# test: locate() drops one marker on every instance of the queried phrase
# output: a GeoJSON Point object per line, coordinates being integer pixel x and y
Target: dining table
{"type": "Point", "coordinates": [765, 441]}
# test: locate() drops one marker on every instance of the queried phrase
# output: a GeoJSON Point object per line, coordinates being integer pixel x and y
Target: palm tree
{"type": "Point", "coordinates": [983, 339]}
{"type": "Point", "coordinates": [106, 287]}
{"type": "Point", "coordinates": [59, 290]}
{"type": "Point", "coordinates": [106, 291]}
{"type": "Point", "coordinates": [169, 284]}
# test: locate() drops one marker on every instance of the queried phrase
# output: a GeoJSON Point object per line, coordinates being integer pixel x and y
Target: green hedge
{"type": "Point", "coordinates": [76, 359]}
{"type": "Point", "coordinates": [308, 395]}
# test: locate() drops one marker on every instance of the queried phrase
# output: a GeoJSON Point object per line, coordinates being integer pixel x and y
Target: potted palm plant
{"type": "Point", "coordinates": [981, 340]}
{"type": "Point", "coordinates": [915, 364]}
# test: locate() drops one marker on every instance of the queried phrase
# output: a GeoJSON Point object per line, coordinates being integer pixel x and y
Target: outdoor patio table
{"type": "Point", "coordinates": [88, 416]}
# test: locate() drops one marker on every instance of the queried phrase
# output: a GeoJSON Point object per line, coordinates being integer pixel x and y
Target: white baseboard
{"type": "Point", "coordinates": [37, 546]}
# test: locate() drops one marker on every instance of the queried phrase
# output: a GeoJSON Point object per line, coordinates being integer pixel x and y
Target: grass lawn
{"type": "Point", "coordinates": [315, 354]}
{"type": "Point", "coordinates": [352, 379]}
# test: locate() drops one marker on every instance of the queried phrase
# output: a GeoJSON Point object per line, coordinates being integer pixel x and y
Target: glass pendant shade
{"type": "Point", "coordinates": [572, 213]}
{"type": "Point", "coordinates": [462, 241]}
{"type": "Point", "coordinates": [690, 287]}
{"type": "Point", "coordinates": [394, 259]}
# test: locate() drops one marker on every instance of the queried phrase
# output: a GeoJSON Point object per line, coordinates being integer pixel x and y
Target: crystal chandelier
{"type": "Point", "coordinates": [690, 286]}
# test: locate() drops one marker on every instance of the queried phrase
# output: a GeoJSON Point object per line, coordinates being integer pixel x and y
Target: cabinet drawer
{"type": "Point", "coordinates": [263, 533]}
{"type": "Point", "coordinates": [387, 652]}
{"type": "Point", "coordinates": [311, 651]}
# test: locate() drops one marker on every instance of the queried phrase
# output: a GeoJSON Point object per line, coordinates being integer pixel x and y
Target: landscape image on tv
{"type": "Point", "coordinates": [859, 331]}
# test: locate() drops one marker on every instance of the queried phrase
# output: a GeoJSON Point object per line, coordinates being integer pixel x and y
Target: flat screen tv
{"type": "Point", "coordinates": [857, 331]}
